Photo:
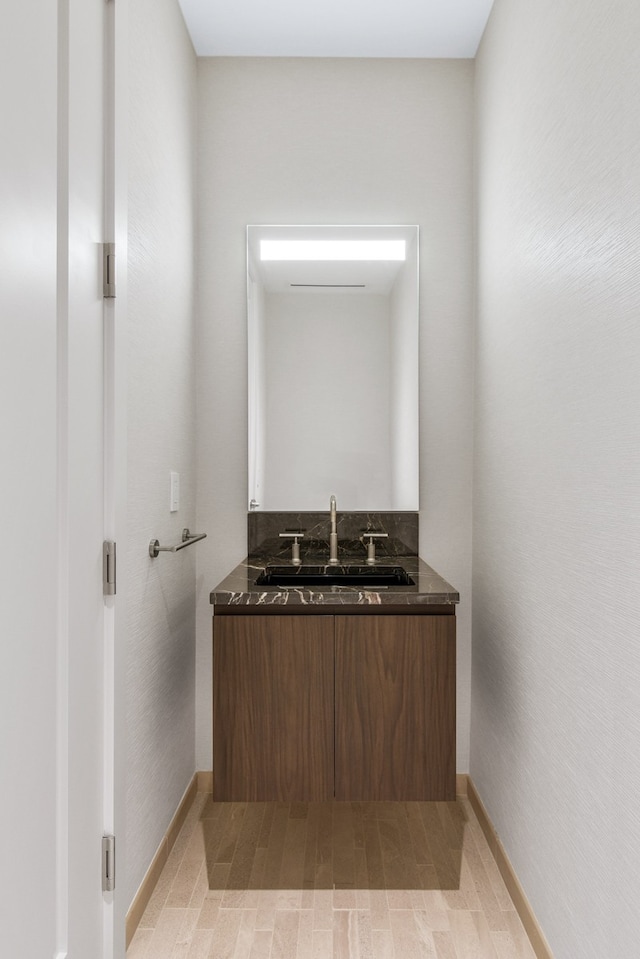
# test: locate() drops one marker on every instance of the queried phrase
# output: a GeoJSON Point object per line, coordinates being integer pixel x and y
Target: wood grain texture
{"type": "Point", "coordinates": [361, 880]}
{"type": "Point", "coordinates": [273, 708]}
{"type": "Point", "coordinates": [395, 708]}
{"type": "Point", "coordinates": [325, 609]}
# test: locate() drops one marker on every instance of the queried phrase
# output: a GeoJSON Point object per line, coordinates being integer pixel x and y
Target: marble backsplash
{"type": "Point", "coordinates": [264, 528]}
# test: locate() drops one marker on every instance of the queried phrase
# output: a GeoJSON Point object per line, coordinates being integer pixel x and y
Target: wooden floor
{"type": "Point", "coordinates": [330, 881]}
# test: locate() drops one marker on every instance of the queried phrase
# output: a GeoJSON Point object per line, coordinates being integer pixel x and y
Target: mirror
{"type": "Point", "coordinates": [333, 367]}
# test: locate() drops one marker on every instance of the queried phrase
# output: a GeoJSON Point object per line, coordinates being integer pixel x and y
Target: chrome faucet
{"type": "Point", "coordinates": [333, 535]}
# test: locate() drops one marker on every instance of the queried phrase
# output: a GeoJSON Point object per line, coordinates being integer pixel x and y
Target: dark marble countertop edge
{"type": "Point", "coordinates": [239, 588]}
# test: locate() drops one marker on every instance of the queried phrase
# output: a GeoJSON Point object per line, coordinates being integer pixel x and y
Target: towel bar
{"type": "Point", "coordinates": [187, 539]}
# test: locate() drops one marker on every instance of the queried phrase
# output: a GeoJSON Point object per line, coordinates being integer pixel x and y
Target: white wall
{"type": "Point", "coordinates": [257, 387]}
{"type": "Point", "coordinates": [404, 386]}
{"type": "Point", "coordinates": [324, 351]}
{"type": "Point", "coordinates": [556, 654]}
{"type": "Point", "coordinates": [335, 141]}
{"type": "Point", "coordinates": [161, 434]}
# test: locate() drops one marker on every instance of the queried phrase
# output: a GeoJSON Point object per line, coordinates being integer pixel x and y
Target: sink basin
{"type": "Point", "coordinates": [364, 576]}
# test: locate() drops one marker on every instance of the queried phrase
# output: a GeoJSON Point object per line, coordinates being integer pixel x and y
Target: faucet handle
{"type": "Point", "coordinates": [371, 545]}
{"type": "Point", "coordinates": [295, 535]}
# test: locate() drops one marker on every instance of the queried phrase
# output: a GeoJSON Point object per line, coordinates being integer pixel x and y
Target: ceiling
{"type": "Point", "coordinates": [336, 28]}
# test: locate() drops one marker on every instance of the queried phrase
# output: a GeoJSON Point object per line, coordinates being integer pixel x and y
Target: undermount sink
{"type": "Point", "coordinates": [363, 576]}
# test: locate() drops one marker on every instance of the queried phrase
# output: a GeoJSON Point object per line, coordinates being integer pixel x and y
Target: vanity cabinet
{"type": "Point", "coordinates": [273, 708]}
{"type": "Point", "coordinates": [395, 707]}
{"type": "Point", "coordinates": [319, 706]}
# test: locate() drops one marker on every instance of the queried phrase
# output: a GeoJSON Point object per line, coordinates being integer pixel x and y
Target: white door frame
{"type": "Point", "coordinates": [115, 431]}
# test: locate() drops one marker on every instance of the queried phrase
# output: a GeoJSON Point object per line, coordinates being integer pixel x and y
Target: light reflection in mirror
{"type": "Point", "coordinates": [333, 374]}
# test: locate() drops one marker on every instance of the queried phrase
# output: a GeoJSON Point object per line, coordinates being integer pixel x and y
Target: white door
{"type": "Point", "coordinates": [56, 631]}
{"type": "Point", "coordinates": [28, 458]}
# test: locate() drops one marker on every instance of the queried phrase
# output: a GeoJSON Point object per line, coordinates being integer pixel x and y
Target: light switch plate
{"type": "Point", "coordinates": [174, 496]}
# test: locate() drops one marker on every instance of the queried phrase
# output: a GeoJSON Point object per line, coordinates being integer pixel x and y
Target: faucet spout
{"type": "Point", "coordinates": [333, 535]}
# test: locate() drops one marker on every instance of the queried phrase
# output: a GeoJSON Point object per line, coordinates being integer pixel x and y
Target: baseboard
{"type": "Point", "coordinates": [461, 784]}
{"type": "Point", "coordinates": [527, 916]}
{"type": "Point", "coordinates": [148, 884]}
{"type": "Point", "coordinates": [205, 781]}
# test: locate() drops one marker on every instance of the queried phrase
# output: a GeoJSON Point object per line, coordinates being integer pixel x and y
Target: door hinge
{"type": "Point", "coordinates": [109, 270]}
{"type": "Point", "coordinates": [108, 863]}
{"type": "Point", "coordinates": [109, 568]}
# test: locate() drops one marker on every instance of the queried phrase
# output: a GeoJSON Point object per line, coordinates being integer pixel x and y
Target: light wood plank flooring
{"type": "Point", "coordinates": [330, 881]}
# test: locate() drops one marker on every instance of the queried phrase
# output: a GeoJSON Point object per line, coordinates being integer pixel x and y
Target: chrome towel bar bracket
{"type": "Point", "coordinates": [187, 539]}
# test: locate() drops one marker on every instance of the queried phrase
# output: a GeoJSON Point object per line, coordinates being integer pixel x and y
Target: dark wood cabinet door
{"type": "Point", "coordinates": [395, 708]}
{"type": "Point", "coordinates": [273, 708]}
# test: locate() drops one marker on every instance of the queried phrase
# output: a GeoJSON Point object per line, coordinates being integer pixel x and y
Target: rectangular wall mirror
{"type": "Point", "coordinates": [333, 367]}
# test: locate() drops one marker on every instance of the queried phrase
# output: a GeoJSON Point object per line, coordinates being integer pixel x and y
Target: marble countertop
{"type": "Point", "coordinates": [239, 587]}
